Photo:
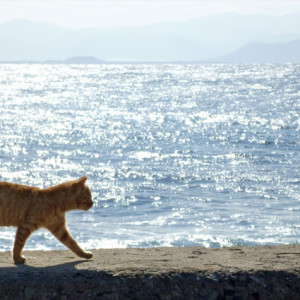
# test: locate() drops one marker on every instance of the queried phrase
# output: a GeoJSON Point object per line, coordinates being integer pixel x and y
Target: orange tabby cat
{"type": "Point", "coordinates": [30, 208]}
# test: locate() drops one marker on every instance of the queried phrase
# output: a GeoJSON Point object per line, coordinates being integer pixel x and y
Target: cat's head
{"type": "Point", "coordinates": [83, 194]}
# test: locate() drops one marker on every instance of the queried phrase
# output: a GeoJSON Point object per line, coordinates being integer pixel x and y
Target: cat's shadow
{"type": "Point", "coordinates": [59, 268]}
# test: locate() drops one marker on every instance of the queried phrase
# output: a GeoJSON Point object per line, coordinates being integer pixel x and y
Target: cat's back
{"type": "Point", "coordinates": [13, 193]}
{"type": "Point", "coordinates": [10, 189]}
{"type": "Point", "coordinates": [15, 200]}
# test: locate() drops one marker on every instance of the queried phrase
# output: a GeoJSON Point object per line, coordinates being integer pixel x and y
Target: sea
{"type": "Point", "coordinates": [175, 154]}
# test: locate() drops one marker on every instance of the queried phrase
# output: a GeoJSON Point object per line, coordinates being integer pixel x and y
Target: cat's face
{"type": "Point", "coordinates": [84, 200]}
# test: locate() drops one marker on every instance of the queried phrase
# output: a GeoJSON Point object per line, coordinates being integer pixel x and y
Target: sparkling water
{"type": "Point", "coordinates": [176, 155]}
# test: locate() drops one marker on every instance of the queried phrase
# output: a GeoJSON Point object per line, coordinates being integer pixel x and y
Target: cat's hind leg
{"type": "Point", "coordinates": [62, 234]}
{"type": "Point", "coordinates": [23, 233]}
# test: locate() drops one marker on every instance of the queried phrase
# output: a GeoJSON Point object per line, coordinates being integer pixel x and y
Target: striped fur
{"type": "Point", "coordinates": [30, 208]}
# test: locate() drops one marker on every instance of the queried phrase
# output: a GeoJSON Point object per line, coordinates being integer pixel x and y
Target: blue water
{"type": "Point", "coordinates": [175, 155]}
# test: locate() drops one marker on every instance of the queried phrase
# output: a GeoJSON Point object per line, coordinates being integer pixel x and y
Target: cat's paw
{"type": "Point", "coordinates": [20, 260]}
{"type": "Point", "coordinates": [88, 254]}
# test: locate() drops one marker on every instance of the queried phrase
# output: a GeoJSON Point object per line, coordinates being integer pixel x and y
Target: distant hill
{"type": "Point", "coordinates": [83, 60]}
{"type": "Point", "coordinates": [195, 40]}
{"type": "Point", "coordinates": [72, 60]}
{"type": "Point", "coordinates": [265, 53]}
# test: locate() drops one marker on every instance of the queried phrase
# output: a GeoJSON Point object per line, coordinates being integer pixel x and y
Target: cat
{"type": "Point", "coordinates": [30, 208]}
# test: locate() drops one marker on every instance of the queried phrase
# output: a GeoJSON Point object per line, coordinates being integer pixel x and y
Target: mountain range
{"type": "Point", "coordinates": [219, 38]}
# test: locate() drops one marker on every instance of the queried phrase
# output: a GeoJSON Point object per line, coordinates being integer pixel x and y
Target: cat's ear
{"type": "Point", "coordinates": [81, 181]}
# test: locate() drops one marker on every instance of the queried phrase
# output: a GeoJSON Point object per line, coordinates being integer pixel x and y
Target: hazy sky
{"type": "Point", "coordinates": [112, 13]}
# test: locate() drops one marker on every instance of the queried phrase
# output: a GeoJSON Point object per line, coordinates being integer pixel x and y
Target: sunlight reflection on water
{"type": "Point", "coordinates": [175, 154]}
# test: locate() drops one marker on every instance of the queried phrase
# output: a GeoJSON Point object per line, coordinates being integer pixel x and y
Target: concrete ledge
{"type": "Point", "coordinates": [268, 272]}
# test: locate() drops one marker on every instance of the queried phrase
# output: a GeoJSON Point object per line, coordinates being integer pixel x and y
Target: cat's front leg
{"type": "Point", "coordinates": [22, 235]}
{"type": "Point", "coordinates": [62, 234]}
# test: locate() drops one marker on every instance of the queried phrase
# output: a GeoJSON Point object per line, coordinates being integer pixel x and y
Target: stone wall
{"type": "Point", "coordinates": [83, 284]}
{"type": "Point", "coordinates": [236, 273]}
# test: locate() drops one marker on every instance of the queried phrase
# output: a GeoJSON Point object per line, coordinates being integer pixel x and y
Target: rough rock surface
{"type": "Point", "coordinates": [268, 272]}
